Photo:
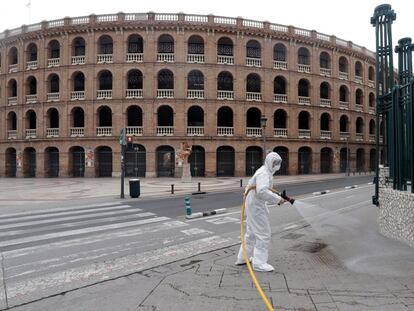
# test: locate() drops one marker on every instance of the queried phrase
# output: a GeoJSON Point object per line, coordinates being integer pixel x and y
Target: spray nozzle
{"type": "Point", "coordinates": [284, 196]}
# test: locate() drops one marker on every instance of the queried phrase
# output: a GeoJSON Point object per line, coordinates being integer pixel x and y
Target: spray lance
{"type": "Point", "coordinates": [285, 197]}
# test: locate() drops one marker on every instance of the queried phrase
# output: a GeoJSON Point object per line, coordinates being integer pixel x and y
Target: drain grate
{"type": "Point", "coordinates": [308, 247]}
{"type": "Point", "coordinates": [292, 236]}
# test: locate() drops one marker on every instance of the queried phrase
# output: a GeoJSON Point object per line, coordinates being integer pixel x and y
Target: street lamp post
{"type": "Point", "coordinates": [347, 156]}
{"type": "Point", "coordinates": [263, 121]}
{"type": "Point", "coordinates": [136, 160]}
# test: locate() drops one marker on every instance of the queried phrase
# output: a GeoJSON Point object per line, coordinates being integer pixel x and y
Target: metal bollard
{"type": "Point", "coordinates": [199, 187]}
{"type": "Point", "coordinates": [241, 183]}
{"type": "Point", "coordinates": [188, 210]}
{"type": "Point", "coordinates": [172, 188]}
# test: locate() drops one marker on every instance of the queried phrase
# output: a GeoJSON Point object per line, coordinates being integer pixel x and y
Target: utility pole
{"type": "Point", "coordinates": [347, 156]}
{"type": "Point", "coordinates": [263, 121]}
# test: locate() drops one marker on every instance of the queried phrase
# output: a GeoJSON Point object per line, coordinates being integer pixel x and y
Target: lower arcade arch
{"type": "Point", "coordinates": [103, 161]}
{"type": "Point", "coordinates": [135, 161]}
{"type": "Point", "coordinates": [29, 162]}
{"type": "Point", "coordinates": [11, 165]}
{"type": "Point", "coordinates": [197, 161]}
{"type": "Point", "coordinates": [284, 154]}
{"type": "Point", "coordinates": [254, 159]}
{"type": "Point", "coordinates": [51, 163]}
{"type": "Point", "coordinates": [326, 160]}
{"type": "Point", "coordinates": [225, 161]}
{"type": "Point", "coordinates": [76, 162]}
{"type": "Point", "coordinates": [165, 156]}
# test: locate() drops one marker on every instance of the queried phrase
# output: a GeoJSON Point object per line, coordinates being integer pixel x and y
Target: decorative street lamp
{"type": "Point", "coordinates": [136, 149]}
{"type": "Point", "coordinates": [263, 121]}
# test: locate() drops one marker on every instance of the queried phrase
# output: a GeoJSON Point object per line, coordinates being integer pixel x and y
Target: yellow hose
{"type": "Point", "coordinates": [249, 267]}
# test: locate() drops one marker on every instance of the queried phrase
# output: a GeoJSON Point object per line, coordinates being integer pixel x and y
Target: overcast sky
{"type": "Point", "coordinates": [346, 19]}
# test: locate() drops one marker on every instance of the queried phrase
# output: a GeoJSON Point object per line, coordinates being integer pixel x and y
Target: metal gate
{"type": "Point", "coordinates": [165, 163]}
{"type": "Point", "coordinates": [225, 162]}
{"type": "Point", "coordinates": [304, 162]}
{"type": "Point", "coordinates": [78, 164]}
{"type": "Point", "coordinates": [53, 163]}
{"type": "Point", "coordinates": [197, 162]}
{"type": "Point", "coordinates": [30, 163]}
{"type": "Point", "coordinates": [343, 161]}
{"type": "Point", "coordinates": [11, 167]}
{"type": "Point", "coordinates": [104, 162]}
{"type": "Point", "coordinates": [372, 160]}
{"type": "Point", "coordinates": [254, 160]}
{"type": "Point", "coordinates": [135, 162]}
{"type": "Point", "coordinates": [326, 161]}
{"type": "Point", "coordinates": [360, 160]}
{"type": "Point", "coordinates": [284, 154]}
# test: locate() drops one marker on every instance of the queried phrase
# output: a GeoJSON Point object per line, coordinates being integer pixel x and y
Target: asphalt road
{"type": "Point", "coordinates": [174, 207]}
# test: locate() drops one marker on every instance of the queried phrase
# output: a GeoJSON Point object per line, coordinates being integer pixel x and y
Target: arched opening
{"type": "Point", "coordinates": [359, 125]}
{"type": "Point", "coordinates": [253, 118]}
{"type": "Point", "coordinates": [284, 154]}
{"type": "Point", "coordinates": [279, 85]}
{"type": "Point", "coordinates": [303, 120]}
{"type": "Point", "coordinates": [253, 49]}
{"type": "Point", "coordinates": [254, 159]}
{"type": "Point", "coordinates": [358, 69]}
{"type": "Point", "coordinates": [195, 116]}
{"type": "Point", "coordinates": [343, 124]}
{"type": "Point", "coordinates": [12, 86]}
{"type": "Point", "coordinates": [78, 47]}
{"type": "Point", "coordinates": [13, 58]}
{"type": "Point", "coordinates": [54, 49]}
{"type": "Point", "coordinates": [104, 116]}
{"type": "Point", "coordinates": [343, 64]}
{"type": "Point", "coordinates": [225, 81]}
{"type": "Point", "coordinates": [195, 45]}
{"type": "Point", "coordinates": [31, 120]}
{"type": "Point", "coordinates": [343, 94]}
{"type": "Point", "coordinates": [304, 160]}
{"type": "Point", "coordinates": [225, 117]}
{"type": "Point", "coordinates": [303, 88]}
{"type": "Point", "coordinates": [78, 82]}
{"type": "Point", "coordinates": [360, 165]}
{"type": "Point", "coordinates": [134, 116]}
{"type": "Point", "coordinates": [165, 80]}
{"type": "Point", "coordinates": [165, 44]}
{"type": "Point", "coordinates": [103, 161]}
{"type": "Point", "coordinates": [52, 119]}
{"type": "Point", "coordinates": [53, 83]}
{"type": "Point", "coordinates": [279, 119]}
{"type": "Point", "coordinates": [135, 161]}
{"type": "Point", "coordinates": [225, 47]}
{"type": "Point", "coordinates": [165, 116]}
{"type": "Point", "coordinates": [51, 164]}
{"type": "Point", "coordinates": [359, 97]}
{"type": "Point", "coordinates": [371, 127]}
{"type": "Point", "coordinates": [303, 56]}
{"type": "Point", "coordinates": [105, 45]}
{"type": "Point", "coordinates": [324, 91]}
{"type": "Point", "coordinates": [325, 121]}
{"type": "Point", "coordinates": [29, 162]}
{"type": "Point", "coordinates": [372, 100]}
{"type": "Point", "coordinates": [324, 61]}
{"type": "Point", "coordinates": [134, 80]}
{"type": "Point", "coordinates": [11, 121]}
{"type": "Point", "coordinates": [31, 52]}
{"type": "Point", "coordinates": [225, 161]}
{"type": "Point", "coordinates": [105, 80]}
{"type": "Point", "coordinates": [326, 160]}
{"type": "Point", "coordinates": [197, 161]}
{"type": "Point", "coordinates": [11, 167]}
{"type": "Point", "coordinates": [76, 161]}
{"type": "Point", "coordinates": [165, 161]}
{"type": "Point", "coordinates": [77, 118]}
{"type": "Point", "coordinates": [195, 80]}
{"type": "Point", "coordinates": [279, 52]}
{"type": "Point", "coordinates": [31, 88]}
{"type": "Point", "coordinates": [135, 44]}
{"type": "Point", "coordinates": [371, 73]}
{"type": "Point", "coordinates": [253, 83]}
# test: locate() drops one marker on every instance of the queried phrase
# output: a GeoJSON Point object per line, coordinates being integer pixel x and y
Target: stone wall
{"type": "Point", "coordinates": [396, 210]}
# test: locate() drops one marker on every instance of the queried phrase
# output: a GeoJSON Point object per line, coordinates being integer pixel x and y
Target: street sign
{"type": "Point", "coordinates": [122, 135]}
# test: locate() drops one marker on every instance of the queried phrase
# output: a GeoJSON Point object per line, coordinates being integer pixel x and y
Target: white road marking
{"type": "Point", "coordinates": [223, 220]}
{"type": "Point", "coordinates": [196, 231]}
{"type": "Point", "coordinates": [80, 231]}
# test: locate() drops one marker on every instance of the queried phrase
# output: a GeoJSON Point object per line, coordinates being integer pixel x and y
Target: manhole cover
{"type": "Point", "coordinates": [292, 236]}
{"type": "Point", "coordinates": [308, 247]}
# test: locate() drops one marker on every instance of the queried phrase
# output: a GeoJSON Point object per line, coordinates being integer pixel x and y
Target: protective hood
{"type": "Point", "coordinates": [273, 162]}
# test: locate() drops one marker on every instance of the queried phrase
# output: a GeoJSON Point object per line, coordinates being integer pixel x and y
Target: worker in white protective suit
{"type": "Point", "coordinates": [258, 233]}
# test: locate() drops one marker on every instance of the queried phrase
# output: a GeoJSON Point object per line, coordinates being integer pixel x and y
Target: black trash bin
{"type": "Point", "coordinates": [134, 188]}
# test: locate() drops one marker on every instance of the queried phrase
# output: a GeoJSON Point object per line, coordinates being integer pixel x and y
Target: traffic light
{"type": "Point", "coordinates": [130, 142]}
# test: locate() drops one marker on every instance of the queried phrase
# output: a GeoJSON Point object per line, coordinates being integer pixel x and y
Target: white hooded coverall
{"type": "Point", "coordinates": [258, 233]}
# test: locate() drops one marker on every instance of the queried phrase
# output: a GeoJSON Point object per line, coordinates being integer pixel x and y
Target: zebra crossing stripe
{"type": "Point", "coordinates": [68, 218]}
{"type": "Point", "coordinates": [39, 238]}
{"type": "Point", "coordinates": [32, 217]}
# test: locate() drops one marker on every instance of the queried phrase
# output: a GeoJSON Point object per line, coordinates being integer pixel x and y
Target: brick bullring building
{"type": "Point", "coordinates": [223, 85]}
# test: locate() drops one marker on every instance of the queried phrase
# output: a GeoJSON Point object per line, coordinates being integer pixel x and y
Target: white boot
{"type": "Point", "coordinates": [264, 267]}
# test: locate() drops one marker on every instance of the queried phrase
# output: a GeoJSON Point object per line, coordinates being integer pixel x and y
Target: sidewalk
{"type": "Point", "coordinates": [18, 191]}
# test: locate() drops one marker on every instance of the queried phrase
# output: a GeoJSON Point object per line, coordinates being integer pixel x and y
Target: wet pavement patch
{"type": "Point", "coordinates": [308, 247]}
{"type": "Point", "coordinates": [292, 236]}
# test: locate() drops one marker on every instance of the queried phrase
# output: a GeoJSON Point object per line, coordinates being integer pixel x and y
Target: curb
{"type": "Point", "coordinates": [209, 213]}
{"type": "Point", "coordinates": [351, 187]}
{"type": "Point", "coordinates": [321, 192]}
